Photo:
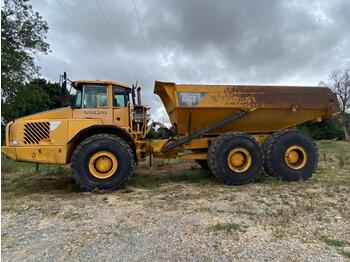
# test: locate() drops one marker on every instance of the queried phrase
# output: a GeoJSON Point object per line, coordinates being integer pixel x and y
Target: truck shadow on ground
{"type": "Point", "coordinates": [60, 182]}
{"type": "Point", "coordinates": [27, 183]}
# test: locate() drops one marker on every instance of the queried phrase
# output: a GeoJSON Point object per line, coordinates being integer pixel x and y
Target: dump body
{"type": "Point", "coordinates": [271, 108]}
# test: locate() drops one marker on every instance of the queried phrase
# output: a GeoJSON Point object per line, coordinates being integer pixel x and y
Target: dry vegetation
{"type": "Point", "coordinates": [175, 211]}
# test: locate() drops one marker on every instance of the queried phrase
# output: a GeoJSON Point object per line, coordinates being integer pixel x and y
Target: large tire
{"type": "Point", "coordinates": [102, 162]}
{"type": "Point", "coordinates": [203, 163]}
{"type": "Point", "coordinates": [229, 145]}
{"type": "Point", "coordinates": [279, 149]}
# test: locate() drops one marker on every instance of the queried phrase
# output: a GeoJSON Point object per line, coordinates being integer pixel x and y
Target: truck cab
{"type": "Point", "coordinates": [105, 100]}
{"type": "Point", "coordinates": [99, 107]}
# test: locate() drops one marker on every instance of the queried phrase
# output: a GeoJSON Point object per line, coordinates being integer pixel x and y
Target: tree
{"type": "Point", "coordinates": [36, 96]}
{"type": "Point", "coordinates": [327, 129]}
{"type": "Point", "coordinates": [23, 36]}
{"type": "Point", "coordinates": [339, 82]}
{"type": "Point", "coordinates": [157, 134]}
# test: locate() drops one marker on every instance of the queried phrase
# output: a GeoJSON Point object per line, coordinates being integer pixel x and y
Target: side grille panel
{"type": "Point", "coordinates": [35, 132]}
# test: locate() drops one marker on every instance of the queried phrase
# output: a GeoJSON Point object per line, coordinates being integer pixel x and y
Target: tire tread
{"type": "Point", "coordinates": [213, 165]}
{"type": "Point", "coordinates": [88, 140]}
{"type": "Point", "coordinates": [268, 146]}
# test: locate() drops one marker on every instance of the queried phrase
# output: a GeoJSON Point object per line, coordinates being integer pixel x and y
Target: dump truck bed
{"type": "Point", "coordinates": [191, 107]}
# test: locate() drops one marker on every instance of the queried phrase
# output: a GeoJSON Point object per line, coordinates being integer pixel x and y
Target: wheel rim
{"type": "Point", "coordinates": [295, 157]}
{"type": "Point", "coordinates": [103, 164]}
{"type": "Point", "coordinates": [239, 160]}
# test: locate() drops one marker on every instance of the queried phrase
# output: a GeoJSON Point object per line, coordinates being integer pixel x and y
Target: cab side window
{"type": "Point", "coordinates": [95, 96]}
{"type": "Point", "coordinates": [120, 96]}
{"type": "Point", "coordinates": [77, 103]}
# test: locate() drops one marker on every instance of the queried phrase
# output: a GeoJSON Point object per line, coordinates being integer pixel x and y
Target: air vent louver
{"type": "Point", "coordinates": [35, 132]}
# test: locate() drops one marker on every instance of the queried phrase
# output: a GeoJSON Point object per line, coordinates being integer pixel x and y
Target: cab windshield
{"type": "Point", "coordinates": [91, 96]}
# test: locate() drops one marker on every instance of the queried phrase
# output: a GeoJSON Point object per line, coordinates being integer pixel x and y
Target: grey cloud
{"type": "Point", "coordinates": [201, 41]}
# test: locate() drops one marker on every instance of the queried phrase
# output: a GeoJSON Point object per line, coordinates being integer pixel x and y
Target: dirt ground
{"type": "Point", "coordinates": [174, 211]}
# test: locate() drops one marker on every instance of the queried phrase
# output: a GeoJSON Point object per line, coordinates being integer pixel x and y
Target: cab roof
{"type": "Point", "coordinates": [105, 82]}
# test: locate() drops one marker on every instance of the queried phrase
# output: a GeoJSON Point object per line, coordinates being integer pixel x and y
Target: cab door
{"type": "Point", "coordinates": [121, 106]}
{"type": "Point", "coordinates": [94, 104]}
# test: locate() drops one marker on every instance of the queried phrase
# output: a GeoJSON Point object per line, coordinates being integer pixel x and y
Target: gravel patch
{"type": "Point", "coordinates": [178, 221]}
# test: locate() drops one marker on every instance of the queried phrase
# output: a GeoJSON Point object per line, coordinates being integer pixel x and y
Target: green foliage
{"type": "Point", "coordinates": [8, 165]}
{"type": "Point", "coordinates": [325, 130]}
{"type": "Point", "coordinates": [157, 134]}
{"type": "Point", "coordinates": [23, 35]}
{"type": "Point", "coordinates": [339, 82]}
{"type": "Point", "coordinates": [35, 96]}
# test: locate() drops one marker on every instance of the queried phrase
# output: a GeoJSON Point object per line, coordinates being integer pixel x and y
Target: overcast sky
{"type": "Point", "coordinates": [196, 41]}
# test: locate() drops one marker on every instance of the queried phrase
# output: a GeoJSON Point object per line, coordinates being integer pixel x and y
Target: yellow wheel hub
{"type": "Point", "coordinates": [239, 160]}
{"type": "Point", "coordinates": [295, 157]}
{"type": "Point", "coordinates": [103, 164]}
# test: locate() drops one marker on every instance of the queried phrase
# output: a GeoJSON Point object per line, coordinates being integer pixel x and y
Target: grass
{"type": "Point", "coordinates": [70, 215]}
{"type": "Point", "coordinates": [72, 187]}
{"type": "Point", "coordinates": [333, 147]}
{"type": "Point", "coordinates": [345, 253]}
{"type": "Point", "coordinates": [330, 151]}
{"type": "Point", "coordinates": [337, 243]}
{"type": "Point", "coordinates": [8, 165]}
{"type": "Point", "coordinates": [332, 241]}
{"type": "Point", "coordinates": [227, 228]}
{"type": "Point", "coordinates": [23, 178]}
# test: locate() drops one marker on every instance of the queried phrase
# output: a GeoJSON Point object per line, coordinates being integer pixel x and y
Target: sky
{"type": "Point", "coordinates": [290, 42]}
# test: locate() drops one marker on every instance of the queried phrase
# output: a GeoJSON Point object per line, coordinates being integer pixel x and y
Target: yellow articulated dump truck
{"type": "Point", "coordinates": [235, 131]}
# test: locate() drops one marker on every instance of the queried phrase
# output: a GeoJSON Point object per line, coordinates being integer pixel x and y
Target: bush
{"type": "Point", "coordinates": [326, 130]}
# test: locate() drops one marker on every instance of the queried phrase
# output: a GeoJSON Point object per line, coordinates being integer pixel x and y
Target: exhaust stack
{"type": "Point", "coordinates": [138, 91]}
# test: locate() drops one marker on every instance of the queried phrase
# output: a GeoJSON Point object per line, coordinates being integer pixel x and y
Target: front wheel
{"type": "Point", "coordinates": [102, 162]}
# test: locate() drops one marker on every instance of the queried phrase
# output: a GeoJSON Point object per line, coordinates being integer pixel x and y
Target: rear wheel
{"type": "Point", "coordinates": [102, 161]}
{"type": "Point", "coordinates": [235, 158]}
{"type": "Point", "coordinates": [290, 155]}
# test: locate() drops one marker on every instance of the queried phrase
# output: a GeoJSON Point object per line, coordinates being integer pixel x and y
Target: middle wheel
{"type": "Point", "coordinates": [235, 158]}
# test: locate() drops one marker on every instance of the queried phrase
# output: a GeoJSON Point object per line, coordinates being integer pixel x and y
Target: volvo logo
{"type": "Point", "coordinates": [95, 112]}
